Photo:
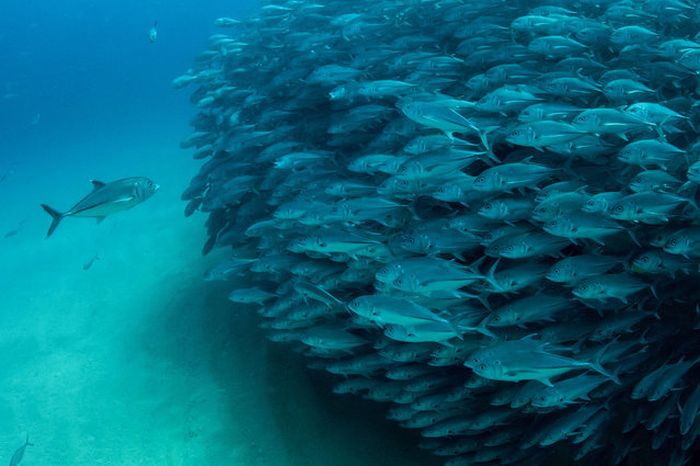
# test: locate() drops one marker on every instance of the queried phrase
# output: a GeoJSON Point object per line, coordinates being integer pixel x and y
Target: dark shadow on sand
{"type": "Point", "coordinates": [284, 412]}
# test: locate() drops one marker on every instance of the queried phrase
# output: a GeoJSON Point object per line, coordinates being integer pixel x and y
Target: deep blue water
{"type": "Point", "coordinates": [87, 66]}
{"type": "Point", "coordinates": [134, 361]}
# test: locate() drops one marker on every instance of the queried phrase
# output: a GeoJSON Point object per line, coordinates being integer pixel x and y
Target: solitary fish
{"type": "Point", "coordinates": [88, 264]}
{"type": "Point", "coordinates": [153, 32]}
{"type": "Point", "coordinates": [19, 453]}
{"type": "Point", "coordinates": [106, 199]}
{"type": "Point", "coordinates": [15, 230]}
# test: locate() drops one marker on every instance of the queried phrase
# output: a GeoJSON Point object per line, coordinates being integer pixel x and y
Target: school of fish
{"type": "Point", "coordinates": [481, 213]}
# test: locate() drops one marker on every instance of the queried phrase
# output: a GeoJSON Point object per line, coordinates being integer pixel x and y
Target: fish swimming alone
{"type": "Point", "coordinates": [153, 32]}
{"type": "Point", "coordinates": [19, 453]}
{"type": "Point", "coordinates": [15, 231]}
{"type": "Point", "coordinates": [88, 264]}
{"type": "Point", "coordinates": [106, 199]}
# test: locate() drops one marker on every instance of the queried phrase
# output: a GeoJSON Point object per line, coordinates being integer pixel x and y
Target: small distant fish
{"type": "Point", "coordinates": [15, 230]}
{"type": "Point", "coordinates": [153, 32]}
{"type": "Point", "coordinates": [106, 199]}
{"type": "Point", "coordinates": [88, 264]}
{"type": "Point", "coordinates": [19, 453]}
{"type": "Point", "coordinates": [37, 118]}
{"type": "Point", "coordinates": [225, 22]}
{"type": "Point", "coordinates": [4, 176]}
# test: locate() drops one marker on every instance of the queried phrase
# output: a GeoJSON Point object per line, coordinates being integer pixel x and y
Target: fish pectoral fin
{"type": "Point", "coordinates": [123, 199]}
{"type": "Point", "coordinates": [545, 381]}
{"type": "Point", "coordinates": [96, 184]}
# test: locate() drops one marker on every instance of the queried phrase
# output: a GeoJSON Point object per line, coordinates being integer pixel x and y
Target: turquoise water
{"type": "Point", "coordinates": [136, 361]}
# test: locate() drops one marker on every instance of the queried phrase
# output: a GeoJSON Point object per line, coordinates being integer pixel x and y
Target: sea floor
{"type": "Point", "coordinates": [137, 361]}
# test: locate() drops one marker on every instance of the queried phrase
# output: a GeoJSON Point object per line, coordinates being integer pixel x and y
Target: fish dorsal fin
{"type": "Point", "coordinates": [97, 184]}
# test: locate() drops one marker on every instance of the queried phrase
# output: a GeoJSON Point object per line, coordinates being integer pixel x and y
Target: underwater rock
{"type": "Point", "coordinates": [481, 213]}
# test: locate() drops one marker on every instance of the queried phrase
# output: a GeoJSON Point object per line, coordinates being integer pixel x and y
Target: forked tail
{"type": "Point", "coordinates": [56, 217]}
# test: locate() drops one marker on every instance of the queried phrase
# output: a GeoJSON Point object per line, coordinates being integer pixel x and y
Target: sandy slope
{"type": "Point", "coordinates": [137, 361]}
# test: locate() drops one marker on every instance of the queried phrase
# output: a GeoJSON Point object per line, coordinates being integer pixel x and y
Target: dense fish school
{"type": "Point", "coordinates": [481, 213]}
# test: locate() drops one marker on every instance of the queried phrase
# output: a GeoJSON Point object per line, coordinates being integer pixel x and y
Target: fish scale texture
{"type": "Point", "coordinates": [480, 213]}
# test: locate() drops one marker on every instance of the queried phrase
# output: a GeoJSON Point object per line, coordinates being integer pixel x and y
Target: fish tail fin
{"type": "Point", "coordinates": [483, 136]}
{"type": "Point", "coordinates": [481, 328]}
{"type": "Point", "coordinates": [491, 274]}
{"type": "Point", "coordinates": [598, 367]}
{"type": "Point", "coordinates": [27, 442]}
{"type": "Point", "coordinates": [56, 217]}
{"type": "Point", "coordinates": [602, 371]}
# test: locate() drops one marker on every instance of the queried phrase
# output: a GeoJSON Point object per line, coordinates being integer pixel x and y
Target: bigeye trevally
{"type": "Point", "coordinates": [106, 199]}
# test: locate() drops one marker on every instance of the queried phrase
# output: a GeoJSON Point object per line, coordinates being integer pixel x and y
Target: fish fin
{"type": "Point", "coordinates": [633, 237]}
{"type": "Point", "coordinates": [652, 288]}
{"type": "Point", "coordinates": [490, 275]}
{"type": "Point", "coordinates": [209, 245]}
{"type": "Point", "coordinates": [546, 381]}
{"type": "Point", "coordinates": [56, 218]}
{"type": "Point", "coordinates": [100, 219]}
{"type": "Point", "coordinates": [474, 266]}
{"type": "Point", "coordinates": [596, 366]}
{"type": "Point", "coordinates": [124, 199]}
{"type": "Point", "coordinates": [96, 184]}
{"type": "Point", "coordinates": [481, 328]}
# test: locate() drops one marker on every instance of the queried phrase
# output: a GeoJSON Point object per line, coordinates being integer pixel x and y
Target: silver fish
{"type": "Point", "coordinates": [106, 199]}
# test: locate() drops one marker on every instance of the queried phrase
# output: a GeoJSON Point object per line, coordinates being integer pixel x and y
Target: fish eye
{"type": "Point", "coordinates": [644, 259]}
{"type": "Point", "coordinates": [618, 209]}
{"type": "Point", "coordinates": [480, 179]}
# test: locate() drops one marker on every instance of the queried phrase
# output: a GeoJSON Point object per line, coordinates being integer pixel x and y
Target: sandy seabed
{"type": "Point", "coordinates": [137, 361]}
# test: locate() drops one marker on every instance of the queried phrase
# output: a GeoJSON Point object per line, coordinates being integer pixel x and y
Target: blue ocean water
{"type": "Point", "coordinates": [134, 361]}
